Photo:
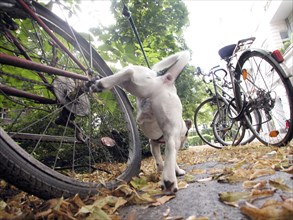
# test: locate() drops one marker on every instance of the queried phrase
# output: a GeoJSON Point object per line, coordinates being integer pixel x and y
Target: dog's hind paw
{"type": "Point", "coordinates": [180, 172]}
{"type": "Point", "coordinates": [97, 87]}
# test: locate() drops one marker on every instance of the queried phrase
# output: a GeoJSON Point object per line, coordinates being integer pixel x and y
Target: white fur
{"type": "Point", "coordinates": [159, 109]}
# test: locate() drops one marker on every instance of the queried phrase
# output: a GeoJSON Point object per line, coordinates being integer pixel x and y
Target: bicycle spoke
{"type": "Point", "coordinates": [88, 138]}
{"type": "Point", "coordinates": [266, 92]}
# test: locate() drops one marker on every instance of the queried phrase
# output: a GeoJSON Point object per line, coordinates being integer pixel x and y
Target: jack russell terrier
{"type": "Point", "coordinates": [159, 110]}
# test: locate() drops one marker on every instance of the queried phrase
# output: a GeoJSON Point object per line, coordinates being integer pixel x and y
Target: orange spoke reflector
{"type": "Point", "coordinates": [274, 133]}
{"type": "Point", "coordinates": [244, 74]}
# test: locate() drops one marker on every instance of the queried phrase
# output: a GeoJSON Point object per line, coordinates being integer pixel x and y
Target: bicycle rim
{"type": "Point", "coordinates": [214, 126]}
{"type": "Point", "coordinates": [84, 141]}
{"type": "Point", "coordinates": [270, 93]}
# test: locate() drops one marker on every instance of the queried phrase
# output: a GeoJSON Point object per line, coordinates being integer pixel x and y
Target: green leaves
{"type": "Point", "coordinates": [159, 24]}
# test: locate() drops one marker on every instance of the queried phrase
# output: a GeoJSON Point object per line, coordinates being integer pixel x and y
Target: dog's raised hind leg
{"type": "Point", "coordinates": [109, 82]}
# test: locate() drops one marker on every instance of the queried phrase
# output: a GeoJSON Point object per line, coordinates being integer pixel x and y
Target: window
{"type": "Point", "coordinates": [284, 35]}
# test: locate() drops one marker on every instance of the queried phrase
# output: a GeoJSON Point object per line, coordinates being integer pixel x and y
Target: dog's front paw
{"type": "Point", "coordinates": [97, 86]}
{"type": "Point", "coordinates": [169, 185]}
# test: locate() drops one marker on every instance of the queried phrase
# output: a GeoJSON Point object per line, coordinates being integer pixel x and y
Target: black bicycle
{"type": "Point", "coordinates": [214, 121]}
{"type": "Point", "coordinates": [257, 102]}
{"type": "Point", "coordinates": [56, 138]}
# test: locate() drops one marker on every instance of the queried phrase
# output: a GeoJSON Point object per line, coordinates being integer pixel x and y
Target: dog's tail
{"type": "Point", "coordinates": [173, 64]}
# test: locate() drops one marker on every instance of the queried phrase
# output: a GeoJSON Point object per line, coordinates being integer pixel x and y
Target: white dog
{"type": "Point", "coordinates": [159, 109]}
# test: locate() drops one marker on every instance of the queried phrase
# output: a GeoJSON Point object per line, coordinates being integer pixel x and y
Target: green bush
{"type": "Point", "coordinates": [196, 140]}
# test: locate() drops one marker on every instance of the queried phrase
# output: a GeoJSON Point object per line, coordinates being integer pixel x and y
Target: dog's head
{"type": "Point", "coordinates": [188, 124]}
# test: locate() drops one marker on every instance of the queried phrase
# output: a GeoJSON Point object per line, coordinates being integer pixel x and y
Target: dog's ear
{"type": "Point", "coordinates": [188, 123]}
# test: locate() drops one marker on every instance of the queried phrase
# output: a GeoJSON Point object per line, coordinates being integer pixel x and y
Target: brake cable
{"type": "Point", "coordinates": [127, 14]}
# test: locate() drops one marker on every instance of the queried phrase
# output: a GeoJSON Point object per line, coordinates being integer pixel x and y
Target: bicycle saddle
{"type": "Point", "coordinates": [227, 51]}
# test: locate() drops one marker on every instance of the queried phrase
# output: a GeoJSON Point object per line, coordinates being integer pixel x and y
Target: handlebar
{"type": "Point", "coordinates": [214, 72]}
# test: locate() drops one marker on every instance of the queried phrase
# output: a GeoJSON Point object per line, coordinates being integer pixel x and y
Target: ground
{"type": "Point", "coordinates": [245, 182]}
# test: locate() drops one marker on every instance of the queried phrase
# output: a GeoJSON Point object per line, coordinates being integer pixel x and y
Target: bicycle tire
{"type": "Point", "coordinates": [267, 89]}
{"type": "Point", "coordinates": [207, 122]}
{"type": "Point", "coordinates": [112, 120]}
{"type": "Point", "coordinates": [246, 136]}
{"type": "Point", "coordinates": [236, 116]}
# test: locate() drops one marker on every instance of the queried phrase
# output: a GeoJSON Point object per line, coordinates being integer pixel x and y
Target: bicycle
{"type": "Point", "coordinates": [262, 99]}
{"type": "Point", "coordinates": [213, 117]}
{"type": "Point", "coordinates": [45, 72]}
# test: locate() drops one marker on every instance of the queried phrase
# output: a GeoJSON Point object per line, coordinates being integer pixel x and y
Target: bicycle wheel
{"type": "Point", "coordinates": [229, 131]}
{"type": "Point", "coordinates": [267, 89]}
{"type": "Point", "coordinates": [59, 141]}
{"type": "Point", "coordinates": [213, 123]}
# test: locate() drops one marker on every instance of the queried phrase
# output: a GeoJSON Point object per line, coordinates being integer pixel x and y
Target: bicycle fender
{"type": "Point", "coordinates": [265, 53]}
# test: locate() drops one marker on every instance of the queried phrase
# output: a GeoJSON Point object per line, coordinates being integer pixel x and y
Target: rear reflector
{"type": "Point", "coordinates": [277, 55]}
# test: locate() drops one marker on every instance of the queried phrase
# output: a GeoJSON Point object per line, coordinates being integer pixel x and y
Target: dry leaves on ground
{"type": "Point", "coordinates": [242, 165]}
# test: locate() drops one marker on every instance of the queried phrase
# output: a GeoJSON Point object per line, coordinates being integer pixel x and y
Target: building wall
{"type": "Point", "coordinates": [272, 17]}
{"type": "Point", "coordinates": [274, 27]}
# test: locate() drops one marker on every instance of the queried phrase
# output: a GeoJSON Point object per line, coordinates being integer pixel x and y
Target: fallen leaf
{"type": "Point", "coordinates": [273, 211]}
{"type": "Point", "coordinates": [254, 184]}
{"type": "Point", "coordinates": [215, 171]}
{"type": "Point", "coordinates": [197, 218]}
{"type": "Point", "coordinates": [144, 198]}
{"type": "Point", "coordinates": [205, 179]}
{"type": "Point", "coordinates": [2, 205]}
{"type": "Point", "coordinates": [173, 218]}
{"type": "Point", "coordinates": [234, 176]}
{"type": "Point", "coordinates": [197, 171]}
{"type": "Point", "coordinates": [232, 198]}
{"type": "Point", "coordinates": [288, 204]}
{"type": "Point", "coordinates": [125, 189]}
{"type": "Point", "coordinates": [138, 183]}
{"type": "Point", "coordinates": [280, 186]}
{"type": "Point", "coordinates": [189, 178]}
{"type": "Point", "coordinates": [261, 172]}
{"type": "Point", "coordinates": [258, 194]}
{"type": "Point", "coordinates": [162, 200]}
{"type": "Point", "coordinates": [77, 201]}
{"type": "Point", "coordinates": [98, 213]}
{"type": "Point", "coordinates": [288, 170]}
{"type": "Point", "coordinates": [120, 202]}
{"type": "Point", "coordinates": [239, 164]}
{"type": "Point", "coordinates": [94, 211]}
{"type": "Point", "coordinates": [182, 184]}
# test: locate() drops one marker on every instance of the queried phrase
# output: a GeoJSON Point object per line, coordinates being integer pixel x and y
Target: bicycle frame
{"type": "Point", "coordinates": [217, 87]}
{"type": "Point", "coordinates": [243, 46]}
{"type": "Point", "coordinates": [31, 65]}
{"type": "Point", "coordinates": [218, 96]}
